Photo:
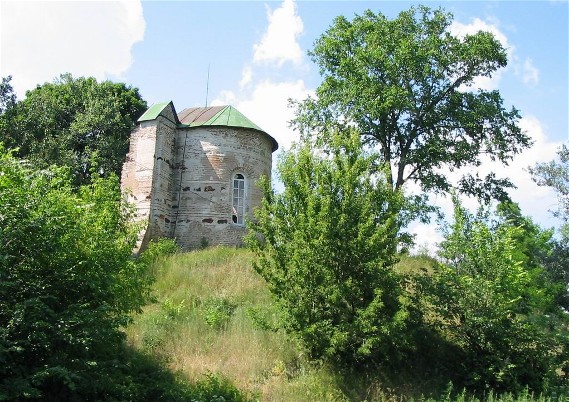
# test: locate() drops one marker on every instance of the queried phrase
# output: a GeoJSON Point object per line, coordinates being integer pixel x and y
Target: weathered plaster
{"type": "Point", "coordinates": [180, 179]}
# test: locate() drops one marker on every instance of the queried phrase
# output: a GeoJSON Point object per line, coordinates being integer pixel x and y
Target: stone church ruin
{"type": "Point", "coordinates": [192, 175]}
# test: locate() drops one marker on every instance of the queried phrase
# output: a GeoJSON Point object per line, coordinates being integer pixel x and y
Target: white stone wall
{"type": "Point", "coordinates": [163, 191]}
{"type": "Point", "coordinates": [138, 172]}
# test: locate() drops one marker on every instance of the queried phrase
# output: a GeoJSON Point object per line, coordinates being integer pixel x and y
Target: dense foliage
{"type": "Point", "coordinates": [74, 122]}
{"type": "Point", "coordinates": [7, 95]}
{"type": "Point", "coordinates": [268, 364]}
{"type": "Point", "coordinates": [406, 84]}
{"type": "Point", "coordinates": [326, 247]}
{"type": "Point", "coordinates": [396, 105]}
{"type": "Point", "coordinates": [499, 308]}
{"type": "Point", "coordinates": [488, 312]}
{"type": "Point", "coordinates": [555, 174]}
{"type": "Point", "coordinates": [67, 283]}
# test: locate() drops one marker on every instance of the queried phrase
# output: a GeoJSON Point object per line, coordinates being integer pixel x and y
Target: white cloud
{"type": "Point", "coordinates": [535, 201]}
{"type": "Point", "coordinates": [530, 73]}
{"type": "Point", "coordinates": [246, 76]}
{"type": "Point", "coordinates": [260, 97]}
{"type": "Point", "coordinates": [427, 238]}
{"type": "Point", "coordinates": [461, 30]}
{"type": "Point", "coordinates": [224, 98]}
{"type": "Point", "coordinates": [41, 40]}
{"type": "Point", "coordinates": [267, 106]}
{"type": "Point", "coordinates": [279, 43]}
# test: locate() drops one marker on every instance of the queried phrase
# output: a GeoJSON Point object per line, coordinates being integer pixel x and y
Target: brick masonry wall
{"type": "Point", "coordinates": [181, 180]}
{"type": "Point", "coordinates": [212, 156]}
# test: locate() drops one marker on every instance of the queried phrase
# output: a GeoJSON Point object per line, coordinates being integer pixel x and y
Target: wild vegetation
{"type": "Point", "coordinates": [327, 304]}
{"type": "Point", "coordinates": [396, 105]}
{"type": "Point", "coordinates": [191, 330]}
{"type": "Point", "coordinates": [487, 311]}
{"type": "Point", "coordinates": [407, 86]}
{"type": "Point", "coordinates": [68, 286]}
{"type": "Point", "coordinates": [327, 249]}
{"type": "Point", "coordinates": [68, 282]}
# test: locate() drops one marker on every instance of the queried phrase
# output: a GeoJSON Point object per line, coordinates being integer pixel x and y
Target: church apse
{"type": "Point", "coordinates": [192, 176]}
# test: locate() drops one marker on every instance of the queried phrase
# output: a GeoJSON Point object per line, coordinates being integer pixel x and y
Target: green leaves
{"type": "Point", "coordinates": [555, 174]}
{"type": "Point", "coordinates": [67, 279]}
{"type": "Point", "coordinates": [79, 123]}
{"type": "Point", "coordinates": [403, 83]}
{"type": "Point", "coordinates": [326, 247]}
{"type": "Point", "coordinates": [490, 298]}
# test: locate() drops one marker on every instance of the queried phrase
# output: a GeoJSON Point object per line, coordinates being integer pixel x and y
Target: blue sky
{"type": "Point", "coordinates": [256, 55]}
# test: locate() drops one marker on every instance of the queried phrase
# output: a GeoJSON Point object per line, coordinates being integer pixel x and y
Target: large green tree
{"type": "Point", "coordinates": [68, 283]}
{"type": "Point", "coordinates": [7, 95]}
{"type": "Point", "coordinates": [75, 122]}
{"type": "Point", "coordinates": [327, 245]}
{"type": "Point", "coordinates": [404, 83]}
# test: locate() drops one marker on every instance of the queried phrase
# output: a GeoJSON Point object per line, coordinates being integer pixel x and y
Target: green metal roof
{"type": "Point", "coordinates": [154, 111]}
{"type": "Point", "coordinates": [219, 116]}
{"type": "Point", "coordinates": [228, 116]}
{"type": "Point", "coordinates": [205, 116]}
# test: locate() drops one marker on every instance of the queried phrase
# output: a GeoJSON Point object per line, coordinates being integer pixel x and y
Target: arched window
{"type": "Point", "coordinates": [238, 199]}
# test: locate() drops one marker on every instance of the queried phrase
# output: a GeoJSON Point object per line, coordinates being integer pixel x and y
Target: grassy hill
{"type": "Point", "coordinates": [214, 315]}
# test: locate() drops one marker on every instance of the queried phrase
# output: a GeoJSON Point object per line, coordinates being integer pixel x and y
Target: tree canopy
{"type": "Point", "coordinates": [75, 122]}
{"type": "Point", "coordinates": [491, 298]}
{"type": "Point", "coordinates": [555, 174]}
{"type": "Point", "coordinates": [406, 85]}
{"type": "Point", "coordinates": [7, 95]}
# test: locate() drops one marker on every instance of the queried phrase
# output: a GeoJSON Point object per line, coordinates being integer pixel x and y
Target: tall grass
{"type": "Point", "coordinates": [214, 315]}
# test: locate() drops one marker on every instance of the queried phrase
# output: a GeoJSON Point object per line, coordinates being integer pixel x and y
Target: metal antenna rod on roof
{"type": "Point", "coordinates": [207, 86]}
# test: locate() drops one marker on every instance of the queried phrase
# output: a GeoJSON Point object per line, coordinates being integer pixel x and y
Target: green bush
{"type": "Point", "coordinates": [79, 123]}
{"type": "Point", "coordinates": [499, 310]}
{"type": "Point", "coordinates": [326, 247]}
{"type": "Point", "coordinates": [265, 318]}
{"type": "Point", "coordinates": [68, 282]}
{"type": "Point", "coordinates": [217, 389]}
{"type": "Point", "coordinates": [217, 311]}
{"type": "Point", "coordinates": [157, 249]}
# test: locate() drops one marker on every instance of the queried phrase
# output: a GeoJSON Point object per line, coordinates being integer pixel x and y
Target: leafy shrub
{"type": "Point", "coordinates": [499, 311]}
{"type": "Point", "coordinates": [263, 318]}
{"type": "Point", "coordinates": [75, 122]}
{"type": "Point", "coordinates": [218, 311]}
{"type": "Point", "coordinates": [173, 310]}
{"type": "Point", "coordinates": [157, 249]}
{"type": "Point", "coordinates": [68, 282]}
{"type": "Point", "coordinates": [326, 247]}
{"type": "Point", "coordinates": [217, 389]}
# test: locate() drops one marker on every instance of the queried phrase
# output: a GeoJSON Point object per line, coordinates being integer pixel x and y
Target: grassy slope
{"type": "Point", "coordinates": [214, 314]}
{"type": "Point", "coordinates": [195, 288]}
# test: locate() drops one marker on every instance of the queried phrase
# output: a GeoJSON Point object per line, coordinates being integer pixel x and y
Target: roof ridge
{"type": "Point", "coordinates": [227, 115]}
{"type": "Point", "coordinates": [214, 118]}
